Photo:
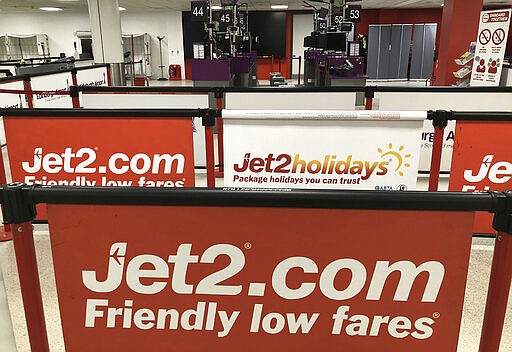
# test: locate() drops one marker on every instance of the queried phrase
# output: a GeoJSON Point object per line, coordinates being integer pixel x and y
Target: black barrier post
{"type": "Point", "coordinates": [501, 276]}
{"type": "Point", "coordinates": [208, 120]}
{"type": "Point", "coordinates": [439, 121]}
{"type": "Point", "coordinates": [74, 93]}
{"type": "Point", "coordinates": [19, 212]}
{"type": "Point", "coordinates": [369, 94]}
{"type": "Point", "coordinates": [219, 94]}
{"type": "Point", "coordinates": [109, 75]}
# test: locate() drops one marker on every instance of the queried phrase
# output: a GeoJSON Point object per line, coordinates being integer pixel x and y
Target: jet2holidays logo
{"type": "Point", "coordinates": [390, 162]}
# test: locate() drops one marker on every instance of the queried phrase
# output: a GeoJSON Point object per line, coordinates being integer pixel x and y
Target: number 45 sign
{"type": "Point", "coordinates": [199, 11]}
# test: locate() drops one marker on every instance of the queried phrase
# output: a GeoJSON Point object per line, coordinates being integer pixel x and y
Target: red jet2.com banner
{"type": "Point", "coordinates": [139, 152]}
{"type": "Point", "coordinates": [482, 161]}
{"type": "Point", "coordinates": [259, 279]}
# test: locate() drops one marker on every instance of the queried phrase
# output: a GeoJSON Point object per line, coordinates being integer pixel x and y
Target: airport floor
{"type": "Point", "coordinates": [13, 332]}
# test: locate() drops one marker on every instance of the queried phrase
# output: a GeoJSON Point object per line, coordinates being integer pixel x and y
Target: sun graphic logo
{"type": "Point", "coordinates": [394, 157]}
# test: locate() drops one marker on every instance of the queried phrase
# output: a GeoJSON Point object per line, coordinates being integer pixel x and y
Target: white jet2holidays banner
{"type": "Point", "coordinates": [322, 149]}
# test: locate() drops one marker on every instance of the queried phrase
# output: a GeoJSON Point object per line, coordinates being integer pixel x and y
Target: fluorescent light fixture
{"type": "Point", "coordinates": [121, 8]}
{"type": "Point", "coordinates": [278, 7]}
{"type": "Point", "coordinates": [216, 7]}
{"type": "Point", "coordinates": [50, 9]}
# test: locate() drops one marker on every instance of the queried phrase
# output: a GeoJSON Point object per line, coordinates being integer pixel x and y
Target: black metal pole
{"type": "Point", "coordinates": [248, 197]}
{"type": "Point", "coordinates": [161, 60]}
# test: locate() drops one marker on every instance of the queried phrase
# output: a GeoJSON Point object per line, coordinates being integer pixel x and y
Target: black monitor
{"type": "Point", "coordinates": [223, 42]}
{"type": "Point", "coordinates": [309, 41]}
{"type": "Point", "coordinates": [336, 41]}
{"type": "Point", "coordinates": [323, 12]}
{"type": "Point", "coordinates": [346, 26]}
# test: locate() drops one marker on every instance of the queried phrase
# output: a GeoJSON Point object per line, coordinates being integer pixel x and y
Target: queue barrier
{"type": "Point", "coordinates": [439, 119]}
{"type": "Point", "coordinates": [494, 100]}
{"type": "Point", "coordinates": [12, 94]}
{"type": "Point", "coordinates": [154, 99]}
{"type": "Point", "coordinates": [160, 97]}
{"type": "Point", "coordinates": [427, 98]}
{"type": "Point", "coordinates": [323, 148]}
{"type": "Point", "coordinates": [481, 157]}
{"type": "Point", "coordinates": [52, 89]}
{"type": "Point", "coordinates": [92, 147]}
{"type": "Point", "coordinates": [443, 98]}
{"type": "Point", "coordinates": [299, 316]}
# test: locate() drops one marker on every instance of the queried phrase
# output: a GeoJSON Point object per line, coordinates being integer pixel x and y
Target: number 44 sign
{"type": "Point", "coordinates": [199, 11]}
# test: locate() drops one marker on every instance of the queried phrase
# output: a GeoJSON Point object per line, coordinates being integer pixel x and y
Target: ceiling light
{"type": "Point", "coordinates": [279, 7]}
{"type": "Point", "coordinates": [216, 7]}
{"type": "Point", "coordinates": [121, 8]}
{"type": "Point", "coordinates": [50, 8]}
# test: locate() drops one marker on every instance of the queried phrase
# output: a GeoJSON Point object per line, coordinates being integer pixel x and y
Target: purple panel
{"type": "Point", "coordinates": [334, 64]}
{"type": "Point", "coordinates": [241, 63]}
{"type": "Point", "coordinates": [210, 70]}
{"type": "Point", "coordinates": [310, 55]}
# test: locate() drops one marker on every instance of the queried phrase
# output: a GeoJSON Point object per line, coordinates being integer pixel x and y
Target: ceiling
{"type": "Point", "coordinates": [158, 5]}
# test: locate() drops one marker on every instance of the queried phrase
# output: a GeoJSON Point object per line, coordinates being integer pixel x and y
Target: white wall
{"type": "Point", "coordinates": [166, 24]}
{"type": "Point", "coordinates": [302, 26]}
{"type": "Point", "coordinates": [60, 28]}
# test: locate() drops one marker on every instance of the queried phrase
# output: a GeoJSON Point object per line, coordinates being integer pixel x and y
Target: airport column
{"type": "Point", "coordinates": [107, 43]}
{"type": "Point", "coordinates": [459, 28]}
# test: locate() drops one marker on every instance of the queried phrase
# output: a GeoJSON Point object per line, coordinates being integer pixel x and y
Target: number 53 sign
{"type": "Point", "coordinates": [353, 13]}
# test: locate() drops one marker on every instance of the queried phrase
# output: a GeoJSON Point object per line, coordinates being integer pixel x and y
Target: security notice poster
{"type": "Point", "coordinates": [92, 77]}
{"type": "Point", "coordinates": [47, 84]}
{"type": "Point", "coordinates": [322, 149]}
{"type": "Point", "coordinates": [482, 161]}
{"type": "Point", "coordinates": [259, 279]}
{"type": "Point", "coordinates": [102, 151]}
{"type": "Point", "coordinates": [490, 47]}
